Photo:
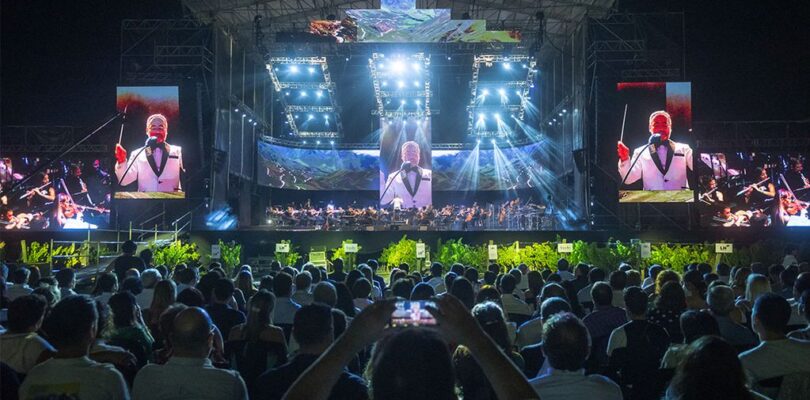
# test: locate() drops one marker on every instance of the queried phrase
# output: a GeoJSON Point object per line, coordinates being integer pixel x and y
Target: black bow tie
{"type": "Point", "coordinates": [413, 168]}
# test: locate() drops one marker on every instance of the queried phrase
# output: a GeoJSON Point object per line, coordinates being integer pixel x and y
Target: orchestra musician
{"type": "Point", "coordinates": [713, 196]}
{"type": "Point", "coordinates": [660, 166]}
{"type": "Point", "coordinates": [795, 177]}
{"type": "Point", "coordinates": [77, 187]}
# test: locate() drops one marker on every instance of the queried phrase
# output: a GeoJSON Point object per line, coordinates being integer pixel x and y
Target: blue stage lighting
{"type": "Point", "coordinates": [332, 142]}
{"type": "Point", "coordinates": [416, 66]}
{"type": "Point", "coordinates": [564, 111]}
{"type": "Point", "coordinates": [319, 93]}
{"type": "Point", "coordinates": [416, 83]}
{"type": "Point", "coordinates": [311, 70]}
{"type": "Point", "coordinates": [385, 83]}
{"type": "Point", "coordinates": [296, 117]}
{"type": "Point", "coordinates": [310, 116]}
{"type": "Point", "coordinates": [502, 92]}
{"type": "Point", "coordinates": [294, 69]}
{"type": "Point", "coordinates": [235, 110]}
{"type": "Point", "coordinates": [244, 115]}
{"type": "Point", "coordinates": [381, 65]}
{"type": "Point", "coordinates": [303, 93]}
{"type": "Point", "coordinates": [497, 116]}
{"type": "Point", "coordinates": [418, 102]}
{"type": "Point", "coordinates": [402, 102]}
{"type": "Point", "coordinates": [478, 141]}
{"type": "Point", "coordinates": [400, 84]}
{"type": "Point", "coordinates": [305, 142]}
{"type": "Point", "coordinates": [493, 141]}
{"type": "Point", "coordinates": [250, 119]}
{"type": "Point", "coordinates": [398, 66]}
{"type": "Point", "coordinates": [255, 123]}
{"type": "Point", "coordinates": [507, 65]}
{"type": "Point", "coordinates": [481, 116]}
{"type": "Point", "coordinates": [317, 142]}
{"type": "Point", "coordinates": [485, 92]}
{"type": "Point", "coordinates": [517, 92]}
{"type": "Point", "coordinates": [286, 93]}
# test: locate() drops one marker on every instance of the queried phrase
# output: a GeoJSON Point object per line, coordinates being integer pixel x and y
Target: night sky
{"type": "Point", "coordinates": [747, 60]}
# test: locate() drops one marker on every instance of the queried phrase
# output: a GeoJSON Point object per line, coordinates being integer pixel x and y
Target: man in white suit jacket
{"type": "Point", "coordinates": [411, 183]}
{"type": "Point", "coordinates": [157, 169]}
{"type": "Point", "coordinates": [660, 166]}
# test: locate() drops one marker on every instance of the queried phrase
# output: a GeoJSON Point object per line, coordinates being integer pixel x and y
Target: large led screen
{"type": "Point", "coordinates": [757, 189]}
{"type": "Point", "coordinates": [72, 193]}
{"type": "Point", "coordinates": [654, 153]}
{"type": "Point", "coordinates": [148, 158]}
{"type": "Point", "coordinates": [405, 163]}
{"type": "Point", "coordinates": [318, 169]}
{"type": "Point", "coordinates": [508, 168]}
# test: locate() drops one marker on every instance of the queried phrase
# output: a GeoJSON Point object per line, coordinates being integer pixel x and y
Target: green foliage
{"type": "Point", "coordinates": [288, 259]}
{"type": "Point", "coordinates": [540, 255]}
{"type": "Point", "coordinates": [403, 251]}
{"type": "Point", "coordinates": [508, 255]}
{"type": "Point", "coordinates": [73, 256]}
{"type": "Point", "coordinates": [455, 251]}
{"type": "Point", "coordinates": [231, 255]}
{"type": "Point", "coordinates": [677, 256]}
{"type": "Point", "coordinates": [174, 253]}
{"type": "Point", "coordinates": [35, 253]}
{"type": "Point", "coordinates": [349, 259]}
{"type": "Point", "coordinates": [765, 252]}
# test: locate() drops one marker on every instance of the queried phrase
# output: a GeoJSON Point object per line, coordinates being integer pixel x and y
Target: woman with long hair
{"type": "Point", "coordinates": [667, 309]}
{"type": "Point", "coordinates": [129, 330]}
{"type": "Point", "coordinates": [711, 370]}
{"type": "Point", "coordinates": [164, 296]}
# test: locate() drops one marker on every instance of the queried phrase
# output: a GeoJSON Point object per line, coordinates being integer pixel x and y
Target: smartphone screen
{"type": "Point", "coordinates": [412, 313]}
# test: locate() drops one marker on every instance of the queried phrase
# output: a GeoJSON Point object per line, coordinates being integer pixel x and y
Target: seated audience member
{"type": "Point", "coordinates": [801, 284]}
{"type": "Point", "coordinates": [106, 286]}
{"type": "Point", "coordinates": [515, 308]}
{"type": "Point", "coordinates": [617, 281]}
{"type": "Point", "coordinates": [636, 349]}
{"type": "Point", "coordinates": [338, 275]}
{"type": "Point", "coordinates": [633, 278]}
{"type": "Point", "coordinates": [649, 282]}
{"type": "Point", "coordinates": [694, 290]}
{"type": "Point", "coordinates": [720, 299]}
{"type": "Point", "coordinates": [325, 293]}
{"type": "Point", "coordinates": [804, 307]}
{"type": "Point", "coordinates": [602, 321]}
{"type": "Point", "coordinates": [368, 273]}
{"type": "Point", "coordinates": [223, 316]}
{"type": "Point", "coordinates": [787, 279]}
{"type": "Point", "coordinates": [149, 278]}
{"type": "Point", "coordinates": [313, 330]}
{"type": "Point", "coordinates": [266, 283]}
{"type": "Point", "coordinates": [285, 307]}
{"type": "Point", "coordinates": [244, 283]}
{"type": "Point", "coordinates": [19, 283]}
{"type": "Point", "coordinates": [166, 327]}
{"type": "Point", "coordinates": [189, 373]}
{"type": "Point", "coordinates": [563, 270]}
{"type": "Point", "coordinates": [374, 265]}
{"type": "Point", "coordinates": [774, 271]}
{"type": "Point", "coordinates": [470, 377]}
{"type": "Point", "coordinates": [191, 297]}
{"type": "Point", "coordinates": [21, 347]}
{"type": "Point", "coordinates": [412, 363]}
{"type": "Point", "coordinates": [566, 346]}
{"type": "Point", "coordinates": [129, 330]}
{"type": "Point", "coordinates": [263, 344]}
{"type": "Point", "coordinates": [345, 300]}
{"type": "Point", "coordinates": [535, 283]}
{"type": "Point", "coordinates": [302, 294]}
{"type": "Point", "coordinates": [584, 295]}
{"type": "Point", "coordinates": [581, 272]}
{"type": "Point", "coordinates": [186, 278]}
{"type": "Point", "coordinates": [667, 309]}
{"type": "Point", "coordinates": [756, 285]}
{"type": "Point", "coordinates": [694, 325]}
{"type": "Point", "coordinates": [67, 281]}
{"type": "Point", "coordinates": [133, 285]}
{"type": "Point", "coordinates": [71, 373]}
{"type": "Point", "coordinates": [532, 353]}
{"type": "Point", "coordinates": [777, 355]}
{"type": "Point", "coordinates": [463, 290]}
{"type": "Point", "coordinates": [402, 288]}
{"type": "Point", "coordinates": [361, 291]}
{"type": "Point", "coordinates": [102, 352]}
{"type": "Point", "coordinates": [164, 296]}
{"type": "Point", "coordinates": [698, 376]}
{"type": "Point", "coordinates": [436, 281]}
{"type": "Point", "coordinates": [791, 255]}
{"type": "Point", "coordinates": [422, 291]}
{"type": "Point", "coordinates": [723, 273]}
{"type": "Point", "coordinates": [448, 280]}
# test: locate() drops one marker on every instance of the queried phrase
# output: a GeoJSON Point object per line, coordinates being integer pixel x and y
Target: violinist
{"type": "Point", "coordinates": [66, 210]}
{"type": "Point", "coordinates": [790, 206]}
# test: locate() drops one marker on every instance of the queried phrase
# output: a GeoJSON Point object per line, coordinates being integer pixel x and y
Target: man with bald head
{"type": "Point", "coordinates": [411, 183]}
{"type": "Point", "coordinates": [156, 166]}
{"type": "Point", "coordinates": [189, 373]}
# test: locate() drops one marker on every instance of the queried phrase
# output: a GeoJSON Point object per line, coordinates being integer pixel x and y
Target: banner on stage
{"type": "Point", "coordinates": [420, 250]}
{"type": "Point", "coordinates": [646, 250]}
{"type": "Point", "coordinates": [350, 247]}
{"type": "Point", "coordinates": [493, 252]}
{"type": "Point", "coordinates": [565, 247]}
{"type": "Point", "coordinates": [282, 247]}
{"type": "Point", "coordinates": [724, 248]}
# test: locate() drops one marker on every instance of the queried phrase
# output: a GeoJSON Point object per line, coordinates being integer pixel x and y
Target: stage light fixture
{"type": "Point", "coordinates": [525, 66]}
{"type": "Point", "coordinates": [311, 70]}
{"type": "Point", "coordinates": [493, 141]}
{"type": "Point", "coordinates": [296, 117]}
{"type": "Point", "coordinates": [554, 119]}
{"type": "Point", "coordinates": [564, 111]}
{"type": "Point", "coordinates": [286, 93]}
{"type": "Point", "coordinates": [560, 114]}
{"type": "Point", "coordinates": [244, 115]}
{"type": "Point", "coordinates": [402, 102]}
{"type": "Point", "coordinates": [250, 119]}
{"type": "Point", "coordinates": [384, 83]}
{"type": "Point", "coordinates": [497, 116]}
{"type": "Point", "coordinates": [398, 66]}
{"type": "Point", "coordinates": [319, 93]}
{"type": "Point", "coordinates": [449, 58]}
{"type": "Point", "coordinates": [310, 116]}
{"type": "Point", "coordinates": [485, 92]}
{"type": "Point", "coordinates": [416, 83]}
{"type": "Point", "coordinates": [317, 142]}
{"type": "Point", "coordinates": [502, 92]}
{"type": "Point", "coordinates": [235, 110]}
{"type": "Point", "coordinates": [381, 65]}
{"type": "Point", "coordinates": [481, 116]}
{"type": "Point", "coordinates": [507, 66]}
{"type": "Point", "coordinates": [517, 92]}
{"type": "Point", "coordinates": [255, 123]}
{"type": "Point", "coordinates": [400, 84]}
{"type": "Point", "coordinates": [478, 141]}
{"type": "Point", "coordinates": [416, 66]}
{"type": "Point", "coordinates": [326, 117]}
{"type": "Point", "coordinates": [332, 142]}
{"type": "Point", "coordinates": [549, 123]}
{"type": "Point", "coordinates": [303, 93]}
{"type": "Point", "coordinates": [418, 102]}
{"type": "Point", "coordinates": [294, 69]}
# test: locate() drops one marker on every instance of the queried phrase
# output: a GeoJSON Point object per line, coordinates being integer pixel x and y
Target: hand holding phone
{"type": "Point", "coordinates": [412, 313]}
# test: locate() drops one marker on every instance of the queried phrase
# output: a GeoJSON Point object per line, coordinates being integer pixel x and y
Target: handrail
{"type": "Point", "coordinates": [162, 213]}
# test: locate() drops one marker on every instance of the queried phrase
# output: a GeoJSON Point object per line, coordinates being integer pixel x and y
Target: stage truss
{"type": "Point", "coordinates": [390, 85]}
{"type": "Point", "coordinates": [476, 109]}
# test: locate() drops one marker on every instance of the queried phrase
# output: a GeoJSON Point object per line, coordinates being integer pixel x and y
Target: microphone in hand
{"type": "Point", "coordinates": [655, 139]}
{"type": "Point", "coordinates": [151, 143]}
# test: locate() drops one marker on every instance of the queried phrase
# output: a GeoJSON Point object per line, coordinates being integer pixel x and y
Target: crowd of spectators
{"type": "Point", "coordinates": [569, 332]}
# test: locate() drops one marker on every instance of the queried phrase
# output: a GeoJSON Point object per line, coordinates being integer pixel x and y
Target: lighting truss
{"type": "Point", "coordinates": [326, 84]}
{"type": "Point", "coordinates": [523, 86]}
{"type": "Point", "coordinates": [381, 93]}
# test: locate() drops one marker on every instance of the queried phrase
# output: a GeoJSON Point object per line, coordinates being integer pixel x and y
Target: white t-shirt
{"type": "Point", "coordinates": [774, 358]}
{"type": "Point", "coordinates": [567, 385]}
{"type": "Point", "coordinates": [21, 350]}
{"type": "Point", "coordinates": [188, 378]}
{"type": "Point", "coordinates": [80, 377]}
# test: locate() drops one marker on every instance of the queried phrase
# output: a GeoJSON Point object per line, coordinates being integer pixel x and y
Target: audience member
{"type": "Point", "coordinates": [776, 355]}
{"type": "Point", "coordinates": [532, 352]}
{"type": "Point", "coordinates": [164, 296]}
{"type": "Point", "coordinates": [345, 300]}
{"type": "Point", "coordinates": [422, 291]}
{"type": "Point", "coordinates": [617, 281]}
{"type": "Point", "coordinates": [694, 325]}
{"type": "Point", "coordinates": [19, 283]}
{"type": "Point", "coordinates": [302, 294]}
{"type": "Point", "coordinates": [285, 307]}
{"type": "Point", "coordinates": [190, 371]}
{"type": "Point", "coordinates": [21, 347]}
{"type": "Point", "coordinates": [463, 290]}
{"type": "Point", "coordinates": [325, 293]}
{"type": "Point", "coordinates": [515, 308]}
{"type": "Point", "coordinates": [436, 281]}
{"type": "Point", "coordinates": [244, 282]}
{"type": "Point", "coordinates": [313, 330]}
{"type": "Point", "coordinates": [667, 309]}
{"type": "Point", "coordinates": [649, 282]}
{"type": "Point", "coordinates": [698, 376]}
{"type": "Point", "coordinates": [125, 261]}
{"type": "Point", "coordinates": [67, 281]}
{"type": "Point", "coordinates": [723, 273]}
{"type": "Point", "coordinates": [128, 330]}
{"type": "Point", "coordinates": [584, 295]}
{"type": "Point", "coordinates": [791, 256]}
{"type": "Point", "coordinates": [222, 314]}
{"type": "Point", "coordinates": [563, 270]}
{"type": "Point", "coordinates": [191, 297]}
{"type": "Point", "coordinates": [720, 299]}
{"type": "Point", "coordinates": [361, 291]}
{"type": "Point", "coordinates": [566, 345]}
{"type": "Point", "coordinates": [338, 275]}
{"type": "Point", "coordinates": [71, 373]}
{"type": "Point", "coordinates": [804, 307]}
{"type": "Point", "coordinates": [694, 289]}
{"type": "Point", "coordinates": [602, 321]}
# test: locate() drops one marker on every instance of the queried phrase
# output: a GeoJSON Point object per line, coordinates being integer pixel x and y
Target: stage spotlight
{"type": "Point", "coordinates": [311, 70]}
{"type": "Point", "coordinates": [305, 142]}
{"type": "Point", "coordinates": [319, 93]}
{"type": "Point", "coordinates": [517, 92]}
{"type": "Point", "coordinates": [303, 93]}
{"type": "Point", "coordinates": [493, 141]}
{"type": "Point", "coordinates": [310, 116]}
{"type": "Point", "coordinates": [481, 116]}
{"type": "Point", "coordinates": [478, 141]}
{"type": "Point", "coordinates": [244, 115]}
{"type": "Point", "coordinates": [294, 69]}
{"type": "Point", "coordinates": [255, 123]}
{"type": "Point", "coordinates": [502, 92]}
{"type": "Point", "coordinates": [286, 93]}
{"type": "Point", "coordinates": [416, 66]}
{"type": "Point", "coordinates": [381, 65]}
{"type": "Point", "coordinates": [332, 142]}
{"type": "Point", "coordinates": [250, 119]}
{"type": "Point", "coordinates": [564, 111]}
{"type": "Point", "coordinates": [513, 115]}
{"type": "Point", "coordinates": [554, 119]}
{"type": "Point", "coordinates": [560, 114]}
{"type": "Point", "coordinates": [485, 92]}
{"type": "Point", "coordinates": [384, 83]}
{"type": "Point", "coordinates": [317, 142]}
{"type": "Point", "coordinates": [400, 84]}
{"type": "Point", "coordinates": [296, 117]}
{"type": "Point", "coordinates": [416, 83]}
{"type": "Point", "coordinates": [398, 66]}
{"type": "Point", "coordinates": [497, 116]}
{"type": "Point", "coordinates": [235, 110]}
{"type": "Point", "coordinates": [347, 58]}
{"type": "Point", "coordinates": [525, 66]}
{"type": "Point", "coordinates": [549, 123]}
{"type": "Point", "coordinates": [326, 117]}
{"type": "Point", "coordinates": [402, 102]}
{"type": "Point", "coordinates": [388, 102]}
{"type": "Point", "coordinates": [449, 58]}
{"type": "Point", "coordinates": [507, 66]}
{"type": "Point", "coordinates": [418, 102]}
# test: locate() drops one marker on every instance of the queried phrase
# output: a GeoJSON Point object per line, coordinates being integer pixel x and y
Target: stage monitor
{"type": "Point", "coordinates": [654, 150]}
{"type": "Point", "coordinates": [148, 155]}
{"type": "Point", "coordinates": [406, 163]}
{"type": "Point", "coordinates": [326, 168]}
{"type": "Point", "coordinates": [753, 190]}
{"type": "Point", "coordinates": [72, 193]}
